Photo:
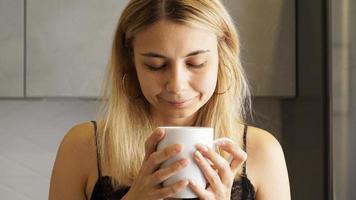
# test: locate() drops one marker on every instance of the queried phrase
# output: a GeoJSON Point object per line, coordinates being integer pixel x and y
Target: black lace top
{"type": "Point", "coordinates": [103, 190]}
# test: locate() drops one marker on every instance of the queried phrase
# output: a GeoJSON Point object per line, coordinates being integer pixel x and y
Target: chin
{"type": "Point", "coordinates": [179, 114]}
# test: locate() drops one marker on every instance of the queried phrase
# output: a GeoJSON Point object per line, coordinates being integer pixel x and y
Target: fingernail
{"type": "Point", "coordinates": [192, 182]}
{"type": "Point", "coordinates": [202, 147]}
{"type": "Point", "coordinates": [184, 162]}
{"type": "Point", "coordinates": [220, 143]}
{"type": "Point", "coordinates": [198, 155]}
{"type": "Point", "coordinates": [243, 154]}
{"type": "Point", "coordinates": [223, 143]}
{"type": "Point", "coordinates": [179, 147]}
{"type": "Point", "coordinates": [159, 134]}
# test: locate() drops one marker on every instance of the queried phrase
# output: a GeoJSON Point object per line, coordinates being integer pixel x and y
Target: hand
{"type": "Point", "coordinates": [220, 181]}
{"type": "Point", "coordinates": [147, 185]}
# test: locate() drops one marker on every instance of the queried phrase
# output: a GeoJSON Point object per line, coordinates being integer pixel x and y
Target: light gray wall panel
{"type": "Point", "coordinates": [69, 43]}
{"type": "Point", "coordinates": [11, 48]}
{"type": "Point", "coordinates": [267, 34]}
{"type": "Point", "coordinates": [351, 162]}
{"type": "Point", "coordinates": [67, 54]}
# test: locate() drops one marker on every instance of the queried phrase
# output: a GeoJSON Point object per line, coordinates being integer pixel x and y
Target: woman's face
{"type": "Point", "coordinates": [177, 68]}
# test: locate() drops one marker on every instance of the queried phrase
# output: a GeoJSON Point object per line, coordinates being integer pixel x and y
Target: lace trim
{"type": "Point", "coordinates": [241, 190]}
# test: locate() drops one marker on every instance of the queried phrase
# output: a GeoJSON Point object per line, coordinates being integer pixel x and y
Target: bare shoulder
{"type": "Point", "coordinates": [266, 165]}
{"type": "Point", "coordinates": [78, 141]}
{"type": "Point", "coordinates": [79, 134]}
{"type": "Point", "coordinates": [73, 163]}
{"type": "Point", "coordinates": [259, 139]}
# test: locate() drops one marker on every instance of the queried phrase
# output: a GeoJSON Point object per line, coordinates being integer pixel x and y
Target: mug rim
{"type": "Point", "coordinates": [190, 127]}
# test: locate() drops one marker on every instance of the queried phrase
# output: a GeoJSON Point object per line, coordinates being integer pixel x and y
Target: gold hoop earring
{"type": "Point", "coordinates": [221, 93]}
{"type": "Point", "coordinates": [124, 88]}
{"type": "Point", "coordinates": [123, 82]}
{"type": "Point", "coordinates": [228, 88]}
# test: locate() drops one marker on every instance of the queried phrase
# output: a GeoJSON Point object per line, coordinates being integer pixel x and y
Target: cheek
{"type": "Point", "coordinates": [207, 82]}
{"type": "Point", "coordinates": [149, 85]}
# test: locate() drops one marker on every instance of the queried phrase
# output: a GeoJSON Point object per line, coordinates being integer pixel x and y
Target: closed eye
{"type": "Point", "coordinates": [154, 68]}
{"type": "Point", "coordinates": [197, 66]}
{"type": "Point", "coordinates": [157, 68]}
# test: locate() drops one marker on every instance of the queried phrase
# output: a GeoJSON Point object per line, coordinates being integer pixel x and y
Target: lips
{"type": "Point", "coordinates": [179, 102]}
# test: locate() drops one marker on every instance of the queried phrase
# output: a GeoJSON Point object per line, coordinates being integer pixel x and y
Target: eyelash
{"type": "Point", "coordinates": [162, 66]}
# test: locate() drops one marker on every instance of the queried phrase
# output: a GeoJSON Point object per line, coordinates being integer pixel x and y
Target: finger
{"type": "Point", "coordinates": [198, 190]}
{"type": "Point", "coordinates": [219, 163]}
{"type": "Point", "coordinates": [152, 141]}
{"type": "Point", "coordinates": [156, 158]}
{"type": "Point", "coordinates": [166, 172]}
{"type": "Point", "coordinates": [210, 174]}
{"type": "Point", "coordinates": [238, 155]}
{"type": "Point", "coordinates": [170, 190]}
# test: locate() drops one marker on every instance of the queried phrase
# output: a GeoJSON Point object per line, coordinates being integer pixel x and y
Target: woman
{"type": "Point", "coordinates": [173, 63]}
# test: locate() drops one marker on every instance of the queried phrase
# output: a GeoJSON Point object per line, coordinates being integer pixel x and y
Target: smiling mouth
{"type": "Point", "coordinates": [180, 103]}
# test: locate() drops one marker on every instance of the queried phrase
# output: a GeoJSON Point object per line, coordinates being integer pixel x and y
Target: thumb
{"type": "Point", "coordinates": [152, 141]}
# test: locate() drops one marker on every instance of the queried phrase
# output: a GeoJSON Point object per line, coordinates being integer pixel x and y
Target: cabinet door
{"type": "Point", "coordinates": [11, 48]}
{"type": "Point", "coordinates": [68, 46]}
{"type": "Point", "coordinates": [267, 35]}
{"type": "Point", "coordinates": [67, 54]}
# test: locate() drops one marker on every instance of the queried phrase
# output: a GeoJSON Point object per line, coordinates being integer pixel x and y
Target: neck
{"type": "Point", "coordinates": [171, 121]}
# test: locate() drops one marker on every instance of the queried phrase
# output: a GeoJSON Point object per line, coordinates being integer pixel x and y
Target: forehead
{"type": "Point", "coordinates": [173, 38]}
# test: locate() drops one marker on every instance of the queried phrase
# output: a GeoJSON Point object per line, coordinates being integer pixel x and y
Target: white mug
{"type": "Point", "coordinates": [189, 137]}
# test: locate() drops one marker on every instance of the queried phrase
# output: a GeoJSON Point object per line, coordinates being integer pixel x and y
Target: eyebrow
{"type": "Point", "coordinates": [156, 55]}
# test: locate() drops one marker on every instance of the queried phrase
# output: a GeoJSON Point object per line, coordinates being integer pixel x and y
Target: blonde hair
{"type": "Point", "coordinates": [124, 122]}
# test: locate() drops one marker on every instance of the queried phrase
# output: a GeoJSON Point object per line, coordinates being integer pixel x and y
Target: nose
{"type": "Point", "coordinates": [177, 79]}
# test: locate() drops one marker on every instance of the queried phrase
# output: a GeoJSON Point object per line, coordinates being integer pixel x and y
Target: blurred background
{"type": "Point", "coordinates": [300, 57]}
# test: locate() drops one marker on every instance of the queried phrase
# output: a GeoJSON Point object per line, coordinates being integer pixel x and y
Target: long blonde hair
{"type": "Point", "coordinates": [124, 122]}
